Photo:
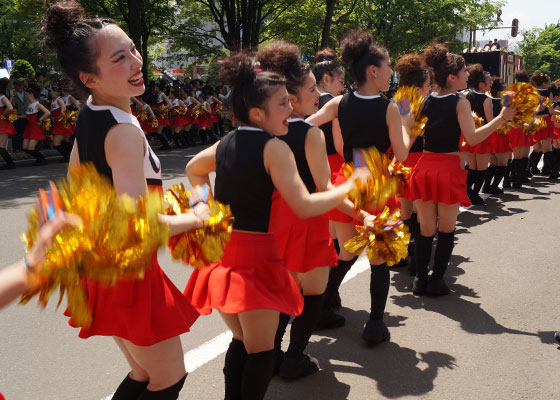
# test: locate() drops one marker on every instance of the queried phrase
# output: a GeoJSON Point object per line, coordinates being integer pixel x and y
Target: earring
{"type": "Point", "coordinates": [375, 74]}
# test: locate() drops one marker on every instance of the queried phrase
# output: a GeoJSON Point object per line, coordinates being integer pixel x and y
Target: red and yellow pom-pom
{"type": "Point", "coordinates": [46, 124]}
{"type": "Point", "coordinates": [197, 112]}
{"type": "Point", "coordinates": [382, 185]}
{"type": "Point", "coordinates": [537, 124]}
{"type": "Point", "coordinates": [154, 123]}
{"type": "Point", "coordinates": [69, 118]}
{"type": "Point", "coordinates": [388, 240]}
{"type": "Point", "coordinates": [116, 241]}
{"type": "Point", "coordinates": [46, 103]}
{"type": "Point", "coordinates": [203, 246]}
{"type": "Point", "coordinates": [11, 116]}
{"type": "Point", "coordinates": [402, 174]}
{"type": "Point", "coordinates": [219, 108]}
{"type": "Point", "coordinates": [525, 98]}
{"type": "Point", "coordinates": [180, 110]}
{"type": "Point", "coordinates": [162, 110]}
{"type": "Point", "coordinates": [478, 121]}
{"type": "Point", "coordinates": [416, 101]}
{"type": "Point", "coordinates": [143, 115]}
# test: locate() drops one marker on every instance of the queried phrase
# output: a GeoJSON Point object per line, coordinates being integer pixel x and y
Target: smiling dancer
{"type": "Point", "coordinates": [145, 317]}
{"type": "Point", "coordinates": [249, 285]}
{"type": "Point", "coordinates": [6, 127]}
{"type": "Point", "coordinates": [33, 133]}
{"type": "Point", "coordinates": [366, 119]}
{"type": "Point", "coordinates": [438, 183]}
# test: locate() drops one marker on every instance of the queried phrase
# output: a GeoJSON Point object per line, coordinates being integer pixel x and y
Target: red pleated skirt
{"type": "Point", "coordinates": [204, 121]}
{"type": "Point", "coordinates": [547, 132]}
{"type": "Point", "coordinates": [146, 126]}
{"type": "Point", "coordinates": [410, 162]}
{"type": "Point", "coordinates": [178, 121]}
{"type": "Point", "coordinates": [336, 162]}
{"type": "Point", "coordinates": [439, 178]}
{"type": "Point", "coordinates": [144, 311]}
{"type": "Point", "coordinates": [303, 244]}
{"type": "Point", "coordinates": [188, 119]}
{"type": "Point", "coordinates": [519, 139]}
{"type": "Point", "coordinates": [7, 127]}
{"type": "Point", "coordinates": [33, 130]}
{"type": "Point", "coordinates": [60, 129]}
{"type": "Point", "coordinates": [484, 147]}
{"type": "Point", "coordinates": [500, 143]}
{"type": "Point", "coordinates": [250, 276]}
{"type": "Point", "coordinates": [556, 133]}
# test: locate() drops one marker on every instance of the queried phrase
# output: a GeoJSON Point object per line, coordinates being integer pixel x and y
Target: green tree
{"type": "Point", "coordinates": [541, 50]}
{"type": "Point", "coordinates": [22, 69]}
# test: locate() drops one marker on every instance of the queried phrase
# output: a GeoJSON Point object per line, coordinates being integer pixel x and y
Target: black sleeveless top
{"type": "Point", "coordinates": [417, 146]}
{"type": "Point", "coordinates": [327, 128]}
{"type": "Point", "coordinates": [363, 123]}
{"type": "Point", "coordinates": [242, 180]}
{"type": "Point", "coordinates": [295, 138]}
{"type": "Point", "coordinates": [544, 93]}
{"type": "Point", "coordinates": [477, 103]}
{"type": "Point", "coordinates": [496, 106]}
{"type": "Point", "coordinates": [442, 132]}
{"type": "Point", "coordinates": [91, 130]}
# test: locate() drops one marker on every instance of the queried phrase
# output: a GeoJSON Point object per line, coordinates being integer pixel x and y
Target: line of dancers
{"type": "Point", "coordinates": [281, 172]}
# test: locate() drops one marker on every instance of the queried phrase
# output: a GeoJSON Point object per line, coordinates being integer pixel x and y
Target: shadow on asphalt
{"type": "Point", "coordinates": [396, 371]}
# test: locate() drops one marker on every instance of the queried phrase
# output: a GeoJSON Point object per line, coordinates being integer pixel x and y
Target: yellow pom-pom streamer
{"type": "Point", "coordinates": [143, 115]}
{"type": "Point", "coordinates": [414, 99]}
{"type": "Point", "coordinates": [219, 108]}
{"type": "Point", "coordinates": [69, 118]}
{"type": "Point", "coordinates": [402, 174]}
{"type": "Point", "coordinates": [116, 242]}
{"type": "Point", "coordinates": [11, 116]}
{"type": "Point", "coordinates": [478, 121]}
{"type": "Point", "coordinates": [180, 110]}
{"type": "Point", "coordinates": [537, 124]}
{"type": "Point", "coordinates": [203, 246]}
{"type": "Point", "coordinates": [382, 185]}
{"type": "Point", "coordinates": [196, 113]}
{"type": "Point", "coordinates": [162, 110]}
{"type": "Point", "coordinates": [154, 123]}
{"type": "Point", "coordinates": [388, 240]}
{"type": "Point", "coordinates": [46, 103]}
{"type": "Point", "coordinates": [46, 124]}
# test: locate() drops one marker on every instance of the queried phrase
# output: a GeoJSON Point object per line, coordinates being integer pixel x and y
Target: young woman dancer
{"type": "Point", "coordinates": [59, 131]}
{"type": "Point", "coordinates": [501, 147]}
{"type": "Point", "coordinates": [162, 111]}
{"type": "Point", "coordinates": [366, 119]}
{"type": "Point", "coordinates": [412, 71]}
{"type": "Point", "coordinates": [329, 76]}
{"type": "Point", "coordinates": [250, 285]}
{"type": "Point", "coordinates": [543, 136]}
{"type": "Point", "coordinates": [438, 182]}
{"type": "Point", "coordinates": [6, 127]}
{"type": "Point", "coordinates": [478, 156]}
{"type": "Point", "coordinates": [203, 121]}
{"type": "Point", "coordinates": [521, 145]}
{"type": "Point", "coordinates": [145, 317]}
{"type": "Point", "coordinates": [33, 132]}
{"type": "Point", "coordinates": [178, 120]}
{"type": "Point", "coordinates": [305, 245]}
{"type": "Point", "coordinates": [189, 128]}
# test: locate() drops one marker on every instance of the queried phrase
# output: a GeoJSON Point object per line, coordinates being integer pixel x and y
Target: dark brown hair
{"type": "Point", "coordinates": [539, 78]}
{"type": "Point", "coordinates": [497, 86]}
{"type": "Point", "coordinates": [251, 87]}
{"type": "Point", "coordinates": [359, 51]}
{"type": "Point", "coordinates": [521, 76]}
{"type": "Point", "coordinates": [68, 31]}
{"type": "Point", "coordinates": [326, 54]}
{"type": "Point", "coordinates": [476, 75]}
{"type": "Point", "coordinates": [4, 82]}
{"type": "Point", "coordinates": [443, 63]}
{"type": "Point", "coordinates": [284, 58]}
{"type": "Point", "coordinates": [412, 70]}
{"type": "Point", "coordinates": [326, 64]}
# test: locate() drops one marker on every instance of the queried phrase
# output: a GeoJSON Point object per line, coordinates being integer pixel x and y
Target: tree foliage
{"type": "Point", "coordinates": [541, 50]}
{"type": "Point", "coordinates": [22, 69]}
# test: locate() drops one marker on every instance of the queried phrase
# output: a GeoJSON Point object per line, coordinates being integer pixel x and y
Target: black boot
{"type": "Point", "coordinates": [170, 393]}
{"type": "Point", "coordinates": [470, 179]}
{"type": "Point", "coordinates": [423, 255]}
{"type": "Point", "coordinates": [165, 143]}
{"type": "Point", "coordinates": [129, 389]}
{"type": "Point", "coordinates": [177, 141]}
{"type": "Point", "coordinates": [519, 172]}
{"type": "Point", "coordinates": [296, 364]}
{"type": "Point", "coordinates": [414, 232]}
{"type": "Point", "coordinates": [507, 176]}
{"type": "Point", "coordinates": [65, 156]}
{"type": "Point", "coordinates": [528, 173]}
{"type": "Point", "coordinates": [329, 319]}
{"type": "Point", "coordinates": [534, 160]}
{"type": "Point", "coordinates": [444, 248]}
{"type": "Point", "coordinates": [67, 146]}
{"type": "Point", "coordinates": [499, 174]}
{"type": "Point", "coordinates": [336, 245]}
{"type": "Point", "coordinates": [9, 161]}
{"type": "Point", "coordinates": [257, 374]}
{"type": "Point", "coordinates": [375, 330]}
{"type": "Point", "coordinates": [236, 356]}
{"type": "Point", "coordinates": [478, 182]}
{"type": "Point", "coordinates": [38, 156]}
{"type": "Point", "coordinates": [488, 179]}
{"type": "Point", "coordinates": [547, 163]}
{"type": "Point", "coordinates": [280, 331]}
{"type": "Point", "coordinates": [555, 173]}
{"type": "Point", "coordinates": [203, 136]}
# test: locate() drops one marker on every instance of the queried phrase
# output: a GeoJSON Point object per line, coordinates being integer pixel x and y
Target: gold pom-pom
{"type": "Point", "coordinates": [478, 121]}
{"type": "Point", "coordinates": [46, 124]}
{"type": "Point", "coordinates": [525, 98]}
{"type": "Point", "coordinates": [388, 240]}
{"type": "Point", "coordinates": [409, 97]}
{"type": "Point", "coordinates": [179, 110]}
{"type": "Point", "coordinates": [116, 241]}
{"type": "Point", "coordinates": [219, 108]}
{"type": "Point", "coordinates": [376, 192]}
{"type": "Point", "coordinates": [11, 116]}
{"type": "Point", "coordinates": [154, 123]}
{"type": "Point", "coordinates": [203, 246]}
{"type": "Point", "coordinates": [69, 118]}
{"type": "Point", "coordinates": [143, 115]}
{"type": "Point", "coordinates": [402, 174]}
{"type": "Point", "coordinates": [197, 112]}
{"type": "Point", "coordinates": [46, 103]}
{"type": "Point", "coordinates": [537, 124]}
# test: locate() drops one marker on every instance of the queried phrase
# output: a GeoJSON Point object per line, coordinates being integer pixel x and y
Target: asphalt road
{"type": "Point", "coordinates": [490, 339]}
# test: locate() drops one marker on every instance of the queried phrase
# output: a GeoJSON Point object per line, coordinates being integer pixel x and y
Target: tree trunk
{"type": "Point", "coordinates": [135, 8]}
{"type": "Point", "coordinates": [325, 36]}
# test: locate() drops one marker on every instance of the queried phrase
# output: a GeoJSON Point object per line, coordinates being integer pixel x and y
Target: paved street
{"type": "Point", "coordinates": [490, 339]}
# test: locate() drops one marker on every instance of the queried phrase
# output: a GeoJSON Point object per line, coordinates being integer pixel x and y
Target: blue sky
{"type": "Point", "coordinates": [530, 13]}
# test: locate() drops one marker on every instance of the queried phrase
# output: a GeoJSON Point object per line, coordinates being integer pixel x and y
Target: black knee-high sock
{"type": "Point", "coordinates": [303, 325]}
{"type": "Point", "coordinates": [480, 175]}
{"type": "Point", "coordinates": [507, 174]}
{"type": "Point", "coordinates": [6, 156]}
{"type": "Point", "coordinates": [499, 174]}
{"type": "Point", "coordinates": [520, 169]}
{"type": "Point", "coordinates": [548, 163]}
{"type": "Point", "coordinates": [534, 159]}
{"type": "Point", "coordinates": [257, 374]}
{"type": "Point", "coordinates": [555, 160]}
{"type": "Point", "coordinates": [423, 254]}
{"type": "Point", "coordinates": [129, 389]}
{"type": "Point", "coordinates": [60, 148]}
{"type": "Point", "coordinates": [170, 393]}
{"type": "Point", "coordinates": [470, 179]}
{"type": "Point", "coordinates": [413, 226]}
{"type": "Point", "coordinates": [67, 146]}
{"type": "Point", "coordinates": [336, 246]}
{"type": "Point", "coordinates": [280, 331]}
{"type": "Point", "coordinates": [378, 289]}
{"type": "Point", "coordinates": [236, 356]}
{"type": "Point", "coordinates": [444, 249]}
{"type": "Point", "coordinates": [490, 172]}
{"type": "Point", "coordinates": [336, 276]}
{"type": "Point", "coordinates": [35, 154]}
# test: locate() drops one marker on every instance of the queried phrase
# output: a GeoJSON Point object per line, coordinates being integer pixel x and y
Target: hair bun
{"type": "Point", "coordinates": [280, 56]}
{"type": "Point", "coordinates": [60, 19]}
{"type": "Point", "coordinates": [238, 69]}
{"type": "Point", "coordinates": [354, 45]}
{"type": "Point", "coordinates": [435, 55]}
{"type": "Point", "coordinates": [326, 54]}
